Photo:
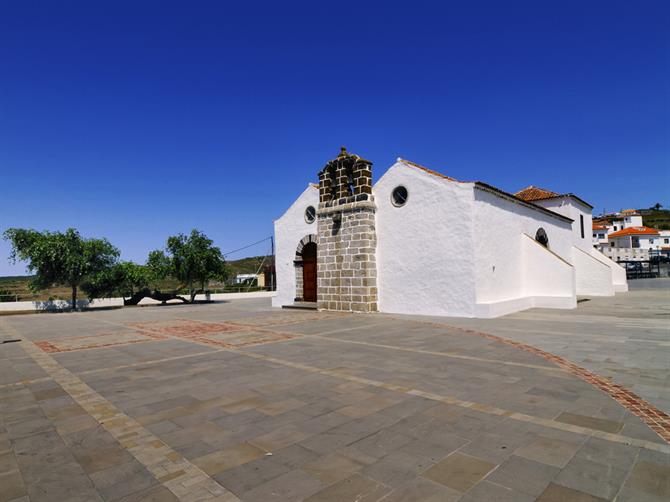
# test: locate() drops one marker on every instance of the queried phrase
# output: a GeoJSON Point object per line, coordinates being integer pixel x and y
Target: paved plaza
{"type": "Point", "coordinates": [237, 401]}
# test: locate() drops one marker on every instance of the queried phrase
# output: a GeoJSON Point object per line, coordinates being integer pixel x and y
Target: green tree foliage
{"type": "Point", "coordinates": [158, 268]}
{"type": "Point", "coordinates": [191, 259]}
{"type": "Point", "coordinates": [60, 258]}
{"type": "Point", "coordinates": [123, 279]}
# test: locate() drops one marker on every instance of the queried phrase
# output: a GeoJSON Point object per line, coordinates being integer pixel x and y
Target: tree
{"type": "Point", "coordinates": [657, 206]}
{"type": "Point", "coordinates": [123, 279]}
{"type": "Point", "coordinates": [158, 268]}
{"type": "Point", "coordinates": [191, 259]}
{"type": "Point", "coordinates": [60, 258]}
{"type": "Point", "coordinates": [132, 282]}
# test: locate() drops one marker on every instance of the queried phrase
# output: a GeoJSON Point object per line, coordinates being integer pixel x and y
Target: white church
{"type": "Point", "coordinates": [419, 242]}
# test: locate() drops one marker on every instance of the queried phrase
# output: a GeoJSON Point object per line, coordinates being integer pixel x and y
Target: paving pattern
{"type": "Point", "coordinates": [236, 401]}
{"type": "Point", "coordinates": [625, 338]}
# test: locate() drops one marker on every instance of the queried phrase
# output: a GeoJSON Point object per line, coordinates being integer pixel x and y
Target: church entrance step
{"type": "Point", "coordinates": [301, 306]}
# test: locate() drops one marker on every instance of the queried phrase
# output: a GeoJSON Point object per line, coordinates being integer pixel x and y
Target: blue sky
{"type": "Point", "coordinates": [138, 120]}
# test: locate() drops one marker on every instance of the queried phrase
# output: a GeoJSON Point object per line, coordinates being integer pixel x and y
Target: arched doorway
{"type": "Point", "coordinates": [309, 272]}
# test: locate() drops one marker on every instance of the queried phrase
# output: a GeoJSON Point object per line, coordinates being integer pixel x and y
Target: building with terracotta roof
{"type": "Point", "coordinates": [421, 242]}
{"type": "Point", "coordinates": [623, 236]}
{"type": "Point", "coordinates": [599, 233]}
{"type": "Point", "coordinates": [635, 237]}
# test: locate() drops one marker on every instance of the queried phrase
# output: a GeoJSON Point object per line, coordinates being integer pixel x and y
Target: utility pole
{"type": "Point", "coordinates": [273, 269]}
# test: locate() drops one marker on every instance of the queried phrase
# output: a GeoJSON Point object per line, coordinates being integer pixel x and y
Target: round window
{"type": "Point", "coordinates": [399, 196]}
{"type": "Point", "coordinates": [541, 237]}
{"type": "Point", "coordinates": [310, 214]}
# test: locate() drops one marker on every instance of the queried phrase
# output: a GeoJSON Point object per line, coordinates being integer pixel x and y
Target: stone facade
{"type": "Point", "coordinates": [347, 240]}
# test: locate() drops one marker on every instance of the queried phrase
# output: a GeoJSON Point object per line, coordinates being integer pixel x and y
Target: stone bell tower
{"type": "Point", "coordinates": [347, 267]}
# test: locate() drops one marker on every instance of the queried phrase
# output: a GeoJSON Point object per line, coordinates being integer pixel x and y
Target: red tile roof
{"type": "Point", "coordinates": [532, 193]}
{"type": "Point", "coordinates": [487, 187]}
{"type": "Point", "coordinates": [634, 231]}
{"type": "Point", "coordinates": [599, 227]}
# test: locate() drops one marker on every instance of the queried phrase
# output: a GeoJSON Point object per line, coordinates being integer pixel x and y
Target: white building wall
{"type": "Point", "coordinates": [664, 239]}
{"type": "Point", "coordinates": [548, 278]}
{"type": "Point", "coordinates": [289, 230]}
{"type": "Point", "coordinates": [576, 211]}
{"type": "Point", "coordinates": [645, 242]}
{"type": "Point", "coordinates": [619, 280]}
{"type": "Point", "coordinates": [499, 225]}
{"type": "Point", "coordinates": [632, 221]}
{"type": "Point", "coordinates": [589, 276]}
{"type": "Point", "coordinates": [425, 260]}
{"type": "Point", "coordinates": [593, 277]}
{"type": "Point", "coordinates": [650, 242]}
{"type": "Point", "coordinates": [600, 238]}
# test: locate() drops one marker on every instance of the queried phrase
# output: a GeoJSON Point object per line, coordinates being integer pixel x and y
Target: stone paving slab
{"type": "Point", "coordinates": [626, 338]}
{"type": "Point", "coordinates": [236, 401]}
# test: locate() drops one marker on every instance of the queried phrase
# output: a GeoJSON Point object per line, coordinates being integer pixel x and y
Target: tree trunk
{"type": "Point", "coordinates": [74, 298]}
{"type": "Point", "coordinates": [155, 295]}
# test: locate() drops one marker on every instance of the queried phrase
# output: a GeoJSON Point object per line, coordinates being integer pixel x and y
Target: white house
{"type": "Point", "coordinates": [419, 242]}
{"type": "Point", "coordinates": [626, 219]}
{"type": "Point", "coordinates": [635, 237]}
{"type": "Point", "coordinates": [600, 232]}
{"type": "Point", "coordinates": [664, 240]}
{"type": "Point", "coordinates": [623, 237]}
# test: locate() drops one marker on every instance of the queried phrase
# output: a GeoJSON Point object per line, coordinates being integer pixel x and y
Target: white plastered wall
{"type": "Point", "coordinates": [290, 228]}
{"type": "Point", "coordinates": [501, 254]}
{"type": "Point", "coordinates": [594, 278]}
{"type": "Point", "coordinates": [573, 209]}
{"type": "Point", "coordinates": [547, 281]}
{"type": "Point", "coordinates": [424, 248]}
{"type": "Point", "coordinates": [619, 280]}
{"type": "Point", "coordinates": [589, 274]}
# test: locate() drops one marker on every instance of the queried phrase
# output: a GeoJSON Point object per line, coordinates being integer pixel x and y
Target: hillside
{"type": "Point", "coordinates": [248, 265]}
{"type": "Point", "coordinates": [12, 286]}
{"type": "Point", "coordinates": [656, 218]}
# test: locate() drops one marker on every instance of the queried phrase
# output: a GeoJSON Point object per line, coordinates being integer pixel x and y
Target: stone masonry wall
{"type": "Point", "coordinates": [298, 281]}
{"type": "Point", "coordinates": [346, 263]}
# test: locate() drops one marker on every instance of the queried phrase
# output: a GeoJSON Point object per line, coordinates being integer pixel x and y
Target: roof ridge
{"type": "Point", "coordinates": [643, 230]}
{"type": "Point", "coordinates": [532, 193]}
{"type": "Point", "coordinates": [425, 169]}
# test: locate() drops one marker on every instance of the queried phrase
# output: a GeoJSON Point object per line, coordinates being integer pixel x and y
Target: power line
{"type": "Point", "coordinates": [247, 246]}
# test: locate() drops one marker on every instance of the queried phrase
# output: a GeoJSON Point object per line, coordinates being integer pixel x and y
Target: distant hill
{"type": "Point", "coordinates": [248, 265]}
{"type": "Point", "coordinates": [656, 218]}
{"type": "Point", "coordinates": [11, 286]}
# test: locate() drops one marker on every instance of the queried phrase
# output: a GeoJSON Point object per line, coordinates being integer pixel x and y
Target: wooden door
{"type": "Point", "coordinates": [309, 272]}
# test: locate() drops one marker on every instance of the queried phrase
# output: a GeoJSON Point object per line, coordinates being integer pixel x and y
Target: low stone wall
{"type": "Point", "coordinates": [626, 254]}
{"type": "Point", "coordinates": [61, 305]}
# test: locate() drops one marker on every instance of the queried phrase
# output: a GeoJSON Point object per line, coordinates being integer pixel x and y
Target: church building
{"type": "Point", "coordinates": [420, 242]}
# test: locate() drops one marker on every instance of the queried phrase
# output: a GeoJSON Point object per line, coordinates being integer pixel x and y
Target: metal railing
{"type": "Point", "coordinates": [641, 269]}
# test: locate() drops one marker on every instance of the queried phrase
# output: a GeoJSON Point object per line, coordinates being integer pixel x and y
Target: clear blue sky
{"type": "Point", "coordinates": [138, 120]}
